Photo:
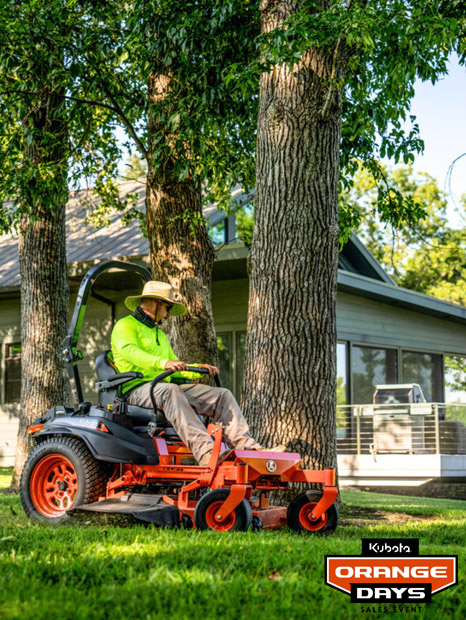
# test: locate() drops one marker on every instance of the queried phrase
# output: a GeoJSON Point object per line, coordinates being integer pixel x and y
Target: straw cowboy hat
{"type": "Point", "coordinates": [156, 290]}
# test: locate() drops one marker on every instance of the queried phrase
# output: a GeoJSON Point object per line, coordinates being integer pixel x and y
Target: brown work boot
{"type": "Point", "coordinates": [206, 458]}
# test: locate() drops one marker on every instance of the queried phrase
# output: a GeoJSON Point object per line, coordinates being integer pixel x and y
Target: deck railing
{"type": "Point", "coordinates": [418, 428]}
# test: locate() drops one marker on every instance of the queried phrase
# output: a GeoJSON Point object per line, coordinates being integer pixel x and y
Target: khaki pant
{"type": "Point", "coordinates": [182, 403]}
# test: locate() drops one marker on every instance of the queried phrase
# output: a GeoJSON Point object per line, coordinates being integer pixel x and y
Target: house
{"type": "Point", "coordinates": [386, 335]}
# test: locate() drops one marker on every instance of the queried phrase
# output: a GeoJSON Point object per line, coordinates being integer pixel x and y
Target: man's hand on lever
{"type": "Point", "coordinates": [178, 365]}
{"type": "Point", "coordinates": [213, 370]}
{"type": "Point", "coordinates": [175, 365]}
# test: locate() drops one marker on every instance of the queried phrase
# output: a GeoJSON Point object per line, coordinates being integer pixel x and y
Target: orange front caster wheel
{"type": "Point", "coordinates": [239, 519]}
{"type": "Point", "coordinates": [299, 514]}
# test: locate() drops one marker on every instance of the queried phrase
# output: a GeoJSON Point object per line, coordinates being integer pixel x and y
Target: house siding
{"type": "Point", "coordinates": [366, 321]}
{"type": "Point", "coordinates": [358, 319]}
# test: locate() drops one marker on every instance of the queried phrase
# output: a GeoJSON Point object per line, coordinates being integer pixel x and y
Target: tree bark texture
{"type": "Point", "coordinates": [289, 390]}
{"type": "Point", "coordinates": [44, 282]}
{"type": "Point", "coordinates": [181, 250]}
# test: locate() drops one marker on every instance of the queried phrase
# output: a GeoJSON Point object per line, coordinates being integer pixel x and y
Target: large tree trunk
{"type": "Point", "coordinates": [290, 368]}
{"type": "Point", "coordinates": [181, 250]}
{"type": "Point", "coordinates": [44, 283]}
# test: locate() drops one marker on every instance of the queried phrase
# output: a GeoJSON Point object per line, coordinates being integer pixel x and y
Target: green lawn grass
{"type": "Point", "coordinates": [92, 569]}
{"type": "Point", "coordinates": [410, 505]}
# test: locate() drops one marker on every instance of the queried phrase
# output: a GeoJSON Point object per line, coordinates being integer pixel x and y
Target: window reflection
{"type": "Point", "coordinates": [224, 359]}
{"type": "Point", "coordinates": [343, 415]}
{"type": "Point", "coordinates": [240, 351]}
{"type": "Point", "coordinates": [370, 367]}
{"type": "Point", "coordinates": [455, 379]}
{"type": "Point", "coordinates": [342, 370]}
{"type": "Point", "coordinates": [426, 370]}
{"type": "Point", "coordinates": [13, 373]}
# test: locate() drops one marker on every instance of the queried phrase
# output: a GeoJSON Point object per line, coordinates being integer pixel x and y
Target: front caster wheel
{"type": "Point", "coordinates": [300, 510]}
{"type": "Point", "coordinates": [207, 507]}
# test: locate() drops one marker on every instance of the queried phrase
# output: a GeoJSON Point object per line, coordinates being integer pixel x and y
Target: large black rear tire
{"type": "Point", "coordinates": [59, 474]}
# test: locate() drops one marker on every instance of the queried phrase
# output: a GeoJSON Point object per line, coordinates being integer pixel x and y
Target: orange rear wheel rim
{"type": "Point", "coordinates": [53, 485]}
{"type": "Point", "coordinates": [224, 525]}
{"type": "Point", "coordinates": [312, 525]}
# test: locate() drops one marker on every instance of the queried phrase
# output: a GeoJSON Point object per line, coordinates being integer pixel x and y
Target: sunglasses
{"type": "Point", "coordinates": [169, 306]}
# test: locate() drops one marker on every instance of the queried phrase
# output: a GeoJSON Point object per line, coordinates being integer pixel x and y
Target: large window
{"type": "Point", "coordinates": [231, 348]}
{"type": "Point", "coordinates": [343, 415]}
{"type": "Point", "coordinates": [240, 351]}
{"type": "Point", "coordinates": [371, 366]}
{"type": "Point", "coordinates": [217, 233]}
{"type": "Point", "coordinates": [225, 353]}
{"type": "Point", "coordinates": [455, 379]}
{"type": "Point", "coordinates": [342, 374]}
{"type": "Point", "coordinates": [426, 370]}
{"type": "Point", "coordinates": [13, 373]}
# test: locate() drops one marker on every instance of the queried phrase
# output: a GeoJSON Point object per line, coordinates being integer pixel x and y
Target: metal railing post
{"type": "Point", "coordinates": [437, 431]}
{"type": "Point", "coordinates": [358, 431]}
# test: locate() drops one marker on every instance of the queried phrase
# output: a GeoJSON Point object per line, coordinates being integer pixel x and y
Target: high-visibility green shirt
{"type": "Point", "coordinates": [135, 348]}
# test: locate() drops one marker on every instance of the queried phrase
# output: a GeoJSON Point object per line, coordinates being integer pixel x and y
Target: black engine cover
{"type": "Point", "coordinates": [118, 445]}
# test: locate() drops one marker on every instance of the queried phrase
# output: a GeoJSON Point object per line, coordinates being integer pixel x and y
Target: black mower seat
{"type": "Point", "coordinates": [140, 416]}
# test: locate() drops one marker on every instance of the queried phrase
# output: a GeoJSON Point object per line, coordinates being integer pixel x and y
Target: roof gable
{"type": "Point", "coordinates": [356, 258]}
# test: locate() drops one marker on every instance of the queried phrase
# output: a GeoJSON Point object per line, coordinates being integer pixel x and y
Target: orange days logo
{"type": "Point", "coordinates": [391, 571]}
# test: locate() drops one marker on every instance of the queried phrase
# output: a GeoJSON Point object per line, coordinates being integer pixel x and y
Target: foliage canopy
{"type": "Point", "coordinates": [97, 58]}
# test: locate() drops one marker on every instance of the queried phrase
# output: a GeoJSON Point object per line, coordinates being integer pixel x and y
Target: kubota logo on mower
{"type": "Point", "coordinates": [271, 466]}
{"type": "Point", "coordinates": [391, 571]}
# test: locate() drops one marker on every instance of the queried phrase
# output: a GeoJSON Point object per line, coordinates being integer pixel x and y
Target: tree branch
{"type": "Point", "coordinates": [117, 108]}
{"type": "Point", "coordinates": [127, 124]}
{"type": "Point", "coordinates": [113, 108]}
{"type": "Point", "coordinates": [35, 93]}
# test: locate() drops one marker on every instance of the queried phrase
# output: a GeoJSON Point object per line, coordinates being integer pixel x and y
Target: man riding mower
{"type": "Point", "coordinates": [146, 430]}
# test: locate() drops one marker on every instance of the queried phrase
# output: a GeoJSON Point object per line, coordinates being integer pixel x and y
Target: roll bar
{"type": "Point", "coordinates": [69, 347]}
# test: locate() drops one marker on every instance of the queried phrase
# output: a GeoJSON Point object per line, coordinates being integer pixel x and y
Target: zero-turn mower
{"type": "Point", "coordinates": [97, 457]}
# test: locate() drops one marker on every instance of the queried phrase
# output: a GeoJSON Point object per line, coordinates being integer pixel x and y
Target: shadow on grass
{"type": "Point", "coordinates": [8, 491]}
{"type": "Point", "coordinates": [361, 516]}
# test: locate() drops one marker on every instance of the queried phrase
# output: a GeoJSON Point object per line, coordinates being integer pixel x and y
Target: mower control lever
{"type": "Point", "coordinates": [167, 373]}
{"type": "Point", "coordinates": [116, 380]}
